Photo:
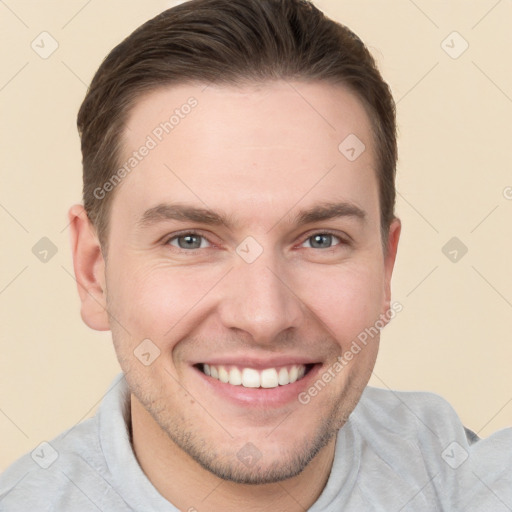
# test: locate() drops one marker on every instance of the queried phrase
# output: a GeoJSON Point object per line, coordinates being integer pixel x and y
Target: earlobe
{"type": "Point", "coordinates": [89, 268]}
{"type": "Point", "coordinates": [389, 262]}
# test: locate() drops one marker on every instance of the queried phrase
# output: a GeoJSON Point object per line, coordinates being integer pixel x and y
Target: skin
{"type": "Point", "coordinates": [259, 154]}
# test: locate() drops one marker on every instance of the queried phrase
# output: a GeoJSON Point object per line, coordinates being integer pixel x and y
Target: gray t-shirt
{"type": "Point", "coordinates": [399, 451]}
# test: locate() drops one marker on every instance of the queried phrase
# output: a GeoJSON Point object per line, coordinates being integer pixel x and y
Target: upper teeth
{"type": "Point", "coordinates": [251, 378]}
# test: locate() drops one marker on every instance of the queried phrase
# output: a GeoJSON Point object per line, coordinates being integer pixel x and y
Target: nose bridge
{"type": "Point", "coordinates": [258, 301]}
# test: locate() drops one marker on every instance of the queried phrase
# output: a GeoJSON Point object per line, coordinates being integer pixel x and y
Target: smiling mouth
{"type": "Point", "coordinates": [253, 378]}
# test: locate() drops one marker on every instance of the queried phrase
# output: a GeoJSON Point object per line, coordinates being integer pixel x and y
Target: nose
{"type": "Point", "coordinates": [258, 299]}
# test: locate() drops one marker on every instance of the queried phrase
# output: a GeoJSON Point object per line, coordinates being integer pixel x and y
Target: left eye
{"type": "Point", "coordinates": [322, 241]}
{"type": "Point", "coordinates": [189, 241]}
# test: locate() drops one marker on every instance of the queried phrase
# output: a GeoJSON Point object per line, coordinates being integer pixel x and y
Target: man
{"type": "Point", "coordinates": [238, 238]}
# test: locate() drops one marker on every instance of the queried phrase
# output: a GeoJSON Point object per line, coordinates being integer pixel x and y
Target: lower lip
{"type": "Point", "coordinates": [268, 397]}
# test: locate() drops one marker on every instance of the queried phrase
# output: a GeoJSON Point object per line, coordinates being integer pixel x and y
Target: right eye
{"type": "Point", "coordinates": [188, 241]}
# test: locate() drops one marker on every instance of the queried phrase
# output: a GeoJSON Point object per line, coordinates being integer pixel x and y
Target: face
{"type": "Point", "coordinates": [247, 248]}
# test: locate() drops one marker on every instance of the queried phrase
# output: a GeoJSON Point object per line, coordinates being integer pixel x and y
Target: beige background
{"type": "Point", "coordinates": [453, 336]}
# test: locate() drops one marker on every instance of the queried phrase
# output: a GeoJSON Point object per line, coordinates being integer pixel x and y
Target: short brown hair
{"type": "Point", "coordinates": [229, 42]}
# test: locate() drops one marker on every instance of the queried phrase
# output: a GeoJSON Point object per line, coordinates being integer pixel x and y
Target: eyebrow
{"type": "Point", "coordinates": [326, 211]}
{"type": "Point", "coordinates": [182, 212]}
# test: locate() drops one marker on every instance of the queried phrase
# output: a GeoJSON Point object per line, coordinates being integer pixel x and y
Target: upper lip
{"type": "Point", "coordinates": [258, 362]}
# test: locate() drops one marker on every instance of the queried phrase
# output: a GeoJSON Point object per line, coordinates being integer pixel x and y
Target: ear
{"type": "Point", "coordinates": [389, 261]}
{"type": "Point", "coordinates": [89, 268]}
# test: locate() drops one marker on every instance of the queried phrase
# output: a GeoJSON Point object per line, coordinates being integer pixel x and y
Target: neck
{"type": "Point", "coordinates": [190, 487]}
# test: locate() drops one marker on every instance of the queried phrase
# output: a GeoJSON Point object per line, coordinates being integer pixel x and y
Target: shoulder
{"type": "Point", "coordinates": [408, 409]}
{"type": "Point", "coordinates": [77, 469]}
{"type": "Point", "coordinates": [52, 472]}
{"type": "Point", "coordinates": [408, 423]}
{"type": "Point", "coordinates": [423, 420]}
{"type": "Point", "coordinates": [419, 435]}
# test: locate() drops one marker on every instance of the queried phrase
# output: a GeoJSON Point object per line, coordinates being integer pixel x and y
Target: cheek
{"type": "Point", "coordinates": [346, 300]}
{"type": "Point", "coordinates": [155, 301]}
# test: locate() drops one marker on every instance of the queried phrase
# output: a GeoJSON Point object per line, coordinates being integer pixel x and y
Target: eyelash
{"type": "Point", "coordinates": [343, 241]}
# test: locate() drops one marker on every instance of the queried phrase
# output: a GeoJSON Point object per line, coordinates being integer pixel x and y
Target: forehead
{"type": "Point", "coordinates": [248, 149]}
